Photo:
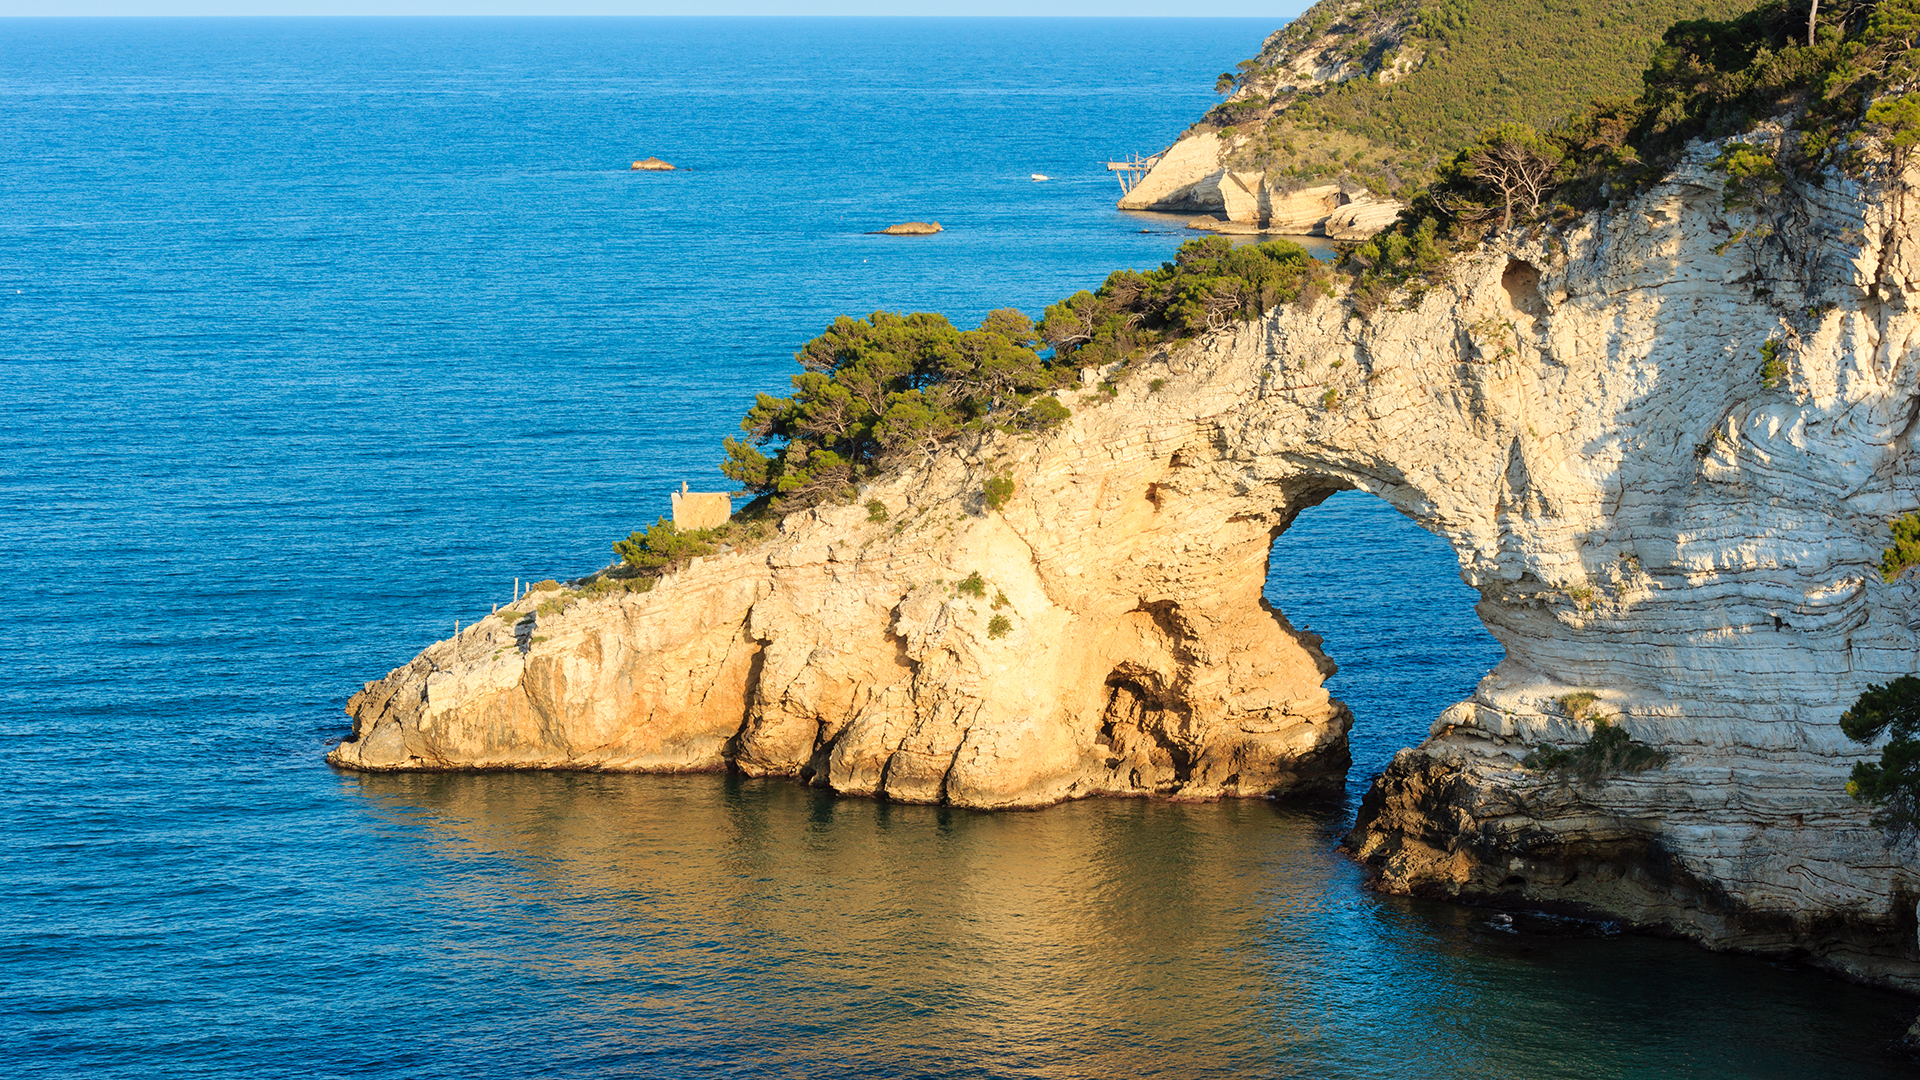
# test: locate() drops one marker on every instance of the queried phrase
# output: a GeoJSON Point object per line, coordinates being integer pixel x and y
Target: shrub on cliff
{"type": "Point", "coordinates": [877, 392]}
{"type": "Point", "coordinates": [1610, 752]}
{"type": "Point", "coordinates": [1394, 258]}
{"type": "Point", "coordinates": [1892, 784]}
{"type": "Point", "coordinates": [663, 547]}
{"type": "Point", "coordinates": [997, 490]}
{"type": "Point", "coordinates": [1905, 549]}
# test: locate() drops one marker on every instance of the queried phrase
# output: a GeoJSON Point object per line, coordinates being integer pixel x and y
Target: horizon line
{"type": "Point", "coordinates": [600, 15]}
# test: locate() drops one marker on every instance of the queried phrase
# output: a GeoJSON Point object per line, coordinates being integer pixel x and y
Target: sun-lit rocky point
{"type": "Point", "coordinates": [1665, 435]}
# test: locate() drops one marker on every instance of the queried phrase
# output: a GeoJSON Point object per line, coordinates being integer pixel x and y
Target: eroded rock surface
{"type": "Point", "coordinates": [1580, 412]}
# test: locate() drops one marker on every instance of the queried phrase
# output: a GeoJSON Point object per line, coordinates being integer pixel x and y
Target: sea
{"type": "Point", "coordinates": [318, 333]}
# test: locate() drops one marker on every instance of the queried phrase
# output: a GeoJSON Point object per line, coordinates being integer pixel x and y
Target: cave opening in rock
{"type": "Point", "coordinates": [1386, 596]}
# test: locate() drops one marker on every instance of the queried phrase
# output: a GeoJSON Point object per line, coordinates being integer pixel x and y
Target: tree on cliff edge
{"type": "Point", "coordinates": [1892, 784]}
{"type": "Point", "coordinates": [1513, 160]}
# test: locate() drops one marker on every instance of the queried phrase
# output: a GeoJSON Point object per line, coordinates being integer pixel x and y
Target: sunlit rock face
{"type": "Point", "coordinates": [1192, 177]}
{"type": "Point", "coordinates": [1579, 411]}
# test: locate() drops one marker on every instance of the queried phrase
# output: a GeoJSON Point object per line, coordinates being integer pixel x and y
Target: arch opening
{"type": "Point", "coordinates": [1386, 598]}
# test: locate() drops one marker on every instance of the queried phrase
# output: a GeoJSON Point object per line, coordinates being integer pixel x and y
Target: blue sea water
{"type": "Point", "coordinates": [320, 332]}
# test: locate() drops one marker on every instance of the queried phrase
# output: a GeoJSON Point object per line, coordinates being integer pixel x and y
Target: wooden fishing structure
{"type": "Point", "coordinates": [1132, 170]}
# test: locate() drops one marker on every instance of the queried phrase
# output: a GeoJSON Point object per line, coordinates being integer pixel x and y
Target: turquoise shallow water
{"type": "Point", "coordinates": [320, 332]}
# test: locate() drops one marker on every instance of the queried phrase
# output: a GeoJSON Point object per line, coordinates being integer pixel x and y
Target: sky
{"type": "Point", "coordinates": [1214, 8]}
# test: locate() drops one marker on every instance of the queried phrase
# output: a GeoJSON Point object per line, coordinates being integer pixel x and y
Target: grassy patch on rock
{"type": "Point", "coordinates": [1609, 753]}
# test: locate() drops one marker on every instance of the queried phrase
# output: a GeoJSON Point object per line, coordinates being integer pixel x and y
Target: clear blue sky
{"type": "Point", "coordinates": [1218, 8]}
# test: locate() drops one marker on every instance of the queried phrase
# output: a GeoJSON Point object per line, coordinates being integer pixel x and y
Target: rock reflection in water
{"type": "Point", "coordinates": [708, 924]}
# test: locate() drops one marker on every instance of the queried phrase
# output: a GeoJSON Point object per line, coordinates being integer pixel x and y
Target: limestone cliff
{"type": "Point", "coordinates": [1197, 175]}
{"type": "Point", "coordinates": [1194, 176]}
{"type": "Point", "coordinates": [1579, 411]}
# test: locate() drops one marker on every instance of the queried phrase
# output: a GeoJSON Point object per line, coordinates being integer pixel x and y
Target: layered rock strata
{"type": "Point", "coordinates": [1649, 517]}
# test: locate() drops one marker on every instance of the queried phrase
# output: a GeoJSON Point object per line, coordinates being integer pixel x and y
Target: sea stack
{"type": "Point", "coordinates": [652, 164]}
{"type": "Point", "coordinates": [910, 228]}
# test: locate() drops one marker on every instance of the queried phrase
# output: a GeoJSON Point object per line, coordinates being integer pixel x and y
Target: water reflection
{"type": "Point", "coordinates": [711, 924]}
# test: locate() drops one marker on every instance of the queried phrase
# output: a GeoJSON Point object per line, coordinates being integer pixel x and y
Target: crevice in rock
{"type": "Point", "coordinates": [750, 694]}
{"type": "Point", "coordinates": [1140, 733]}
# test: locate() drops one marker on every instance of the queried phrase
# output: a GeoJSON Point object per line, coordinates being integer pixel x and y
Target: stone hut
{"type": "Point", "coordinates": [700, 509]}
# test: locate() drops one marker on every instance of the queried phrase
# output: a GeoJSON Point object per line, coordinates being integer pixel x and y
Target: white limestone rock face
{"type": "Point", "coordinates": [1177, 177]}
{"type": "Point", "coordinates": [1579, 412]}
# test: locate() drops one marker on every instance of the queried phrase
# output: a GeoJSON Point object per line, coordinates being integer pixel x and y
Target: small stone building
{"type": "Point", "coordinates": [700, 509]}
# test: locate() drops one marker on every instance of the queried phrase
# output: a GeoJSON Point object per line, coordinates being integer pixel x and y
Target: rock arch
{"type": "Point", "coordinates": [1578, 413]}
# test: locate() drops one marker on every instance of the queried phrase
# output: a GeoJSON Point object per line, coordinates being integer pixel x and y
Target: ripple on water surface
{"type": "Point", "coordinates": [774, 928]}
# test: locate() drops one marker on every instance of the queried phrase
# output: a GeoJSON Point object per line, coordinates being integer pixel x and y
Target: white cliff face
{"type": "Point", "coordinates": [1699, 550]}
{"type": "Point", "coordinates": [1579, 412]}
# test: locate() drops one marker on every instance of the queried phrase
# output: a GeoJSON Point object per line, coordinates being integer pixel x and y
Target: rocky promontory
{"type": "Point", "coordinates": [1196, 175]}
{"type": "Point", "coordinates": [1351, 107]}
{"type": "Point", "coordinates": [1665, 459]}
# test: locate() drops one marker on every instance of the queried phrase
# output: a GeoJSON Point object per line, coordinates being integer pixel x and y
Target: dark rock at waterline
{"type": "Point", "coordinates": [1910, 1042]}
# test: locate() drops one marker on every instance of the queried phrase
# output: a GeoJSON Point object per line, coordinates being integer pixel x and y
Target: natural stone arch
{"type": "Point", "coordinates": [1644, 519]}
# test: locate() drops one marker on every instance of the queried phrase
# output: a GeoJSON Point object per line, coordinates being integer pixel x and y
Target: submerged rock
{"type": "Point", "coordinates": [1909, 1043]}
{"type": "Point", "coordinates": [1226, 228]}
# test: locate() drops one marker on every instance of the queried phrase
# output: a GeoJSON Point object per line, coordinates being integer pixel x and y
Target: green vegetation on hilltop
{"type": "Point", "coordinates": [1708, 79]}
{"type": "Point", "coordinates": [878, 390]}
{"type": "Point", "coordinates": [1712, 79]}
{"type": "Point", "coordinates": [1428, 75]}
